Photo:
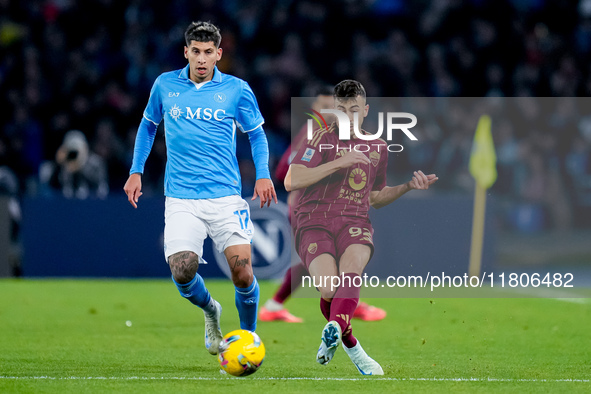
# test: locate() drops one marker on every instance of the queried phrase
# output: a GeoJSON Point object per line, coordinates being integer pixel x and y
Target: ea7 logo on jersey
{"type": "Point", "coordinates": [308, 154]}
{"type": "Point", "coordinates": [173, 94]}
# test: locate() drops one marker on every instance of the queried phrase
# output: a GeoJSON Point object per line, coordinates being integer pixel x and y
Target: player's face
{"type": "Point", "coordinates": [350, 106]}
{"type": "Point", "coordinates": [202, 57]}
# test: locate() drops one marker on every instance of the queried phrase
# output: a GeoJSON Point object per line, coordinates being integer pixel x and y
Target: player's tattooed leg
{"type": "Point", "coordinates": [183, 266]}
{"type": "Point", "coordinates": [239, 261]}
{"type": "Point", "coordinates": [236, 262]}
{"type": "Point", "coordinates": [241, 270]}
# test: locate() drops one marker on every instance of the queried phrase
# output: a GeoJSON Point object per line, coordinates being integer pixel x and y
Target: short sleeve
{"type": "Point", "coordinates": [309, 153]}
{"type": "Point", "coordinates": [153, 111]}
{"type": "Point", "coordinates": [248, 115]}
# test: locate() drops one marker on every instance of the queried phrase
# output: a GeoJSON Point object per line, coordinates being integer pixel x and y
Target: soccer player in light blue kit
{"type": "Point", "coordinates": [202, 108]}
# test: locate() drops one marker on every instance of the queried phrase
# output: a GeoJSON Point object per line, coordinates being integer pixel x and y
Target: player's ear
{"type": "Point", "coordinates": [186, 53]}
{"type": "Point", "coordinates": [365, 110]}
{"type": "Point", "coordinates": [219, 54]}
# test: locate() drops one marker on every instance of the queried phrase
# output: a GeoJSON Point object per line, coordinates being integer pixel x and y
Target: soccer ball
{"type": "Point", "coordinates": [241, 353]}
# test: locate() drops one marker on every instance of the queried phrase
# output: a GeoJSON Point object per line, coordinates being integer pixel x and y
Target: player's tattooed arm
{"type": "Point", "coordinates": [183, 266]}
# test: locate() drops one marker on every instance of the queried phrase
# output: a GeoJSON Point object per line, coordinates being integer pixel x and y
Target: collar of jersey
{"type": "Point", "coordinates": [217, 75]}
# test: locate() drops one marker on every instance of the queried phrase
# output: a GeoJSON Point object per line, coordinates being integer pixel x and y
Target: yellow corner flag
{"type": "Point", "coordinates": [483, 160]}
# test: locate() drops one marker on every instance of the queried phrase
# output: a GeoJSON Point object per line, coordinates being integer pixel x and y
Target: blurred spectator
{"type": "Point", "coordinates": [9, 187]}
{"type": "Point", "coordinates": [76, 172]}
{"type": "Point", "coordinates": [90, 65]}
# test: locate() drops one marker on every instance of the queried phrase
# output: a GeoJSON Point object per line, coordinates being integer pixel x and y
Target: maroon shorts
{"type": "Point", "coordinates": [332, 236]}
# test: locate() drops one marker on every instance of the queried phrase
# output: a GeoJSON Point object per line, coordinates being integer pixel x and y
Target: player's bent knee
{"type": "Point", "coordinates": [242, 278]}
{"type": "Point", "coordinates": [184, 266]}
{"type": "Point", "coordinates": [355, 259]}
{"type": "Point", "coordinates": [326, 292]}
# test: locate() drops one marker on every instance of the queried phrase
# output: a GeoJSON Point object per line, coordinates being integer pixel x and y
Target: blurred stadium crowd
{"type": "Point", "coordinates": [89, 66]}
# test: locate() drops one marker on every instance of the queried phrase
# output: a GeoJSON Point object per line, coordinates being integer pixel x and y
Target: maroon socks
{"type": "Point", "coordinates": [343, 306]}
{"type": "Point", "coordinates": [292, 279]}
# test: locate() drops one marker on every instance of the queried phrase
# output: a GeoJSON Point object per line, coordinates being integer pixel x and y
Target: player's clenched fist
{"type": "Point", "coordinates": [421, 181]}
{"type": "Point", "coordinates": [351, 158]}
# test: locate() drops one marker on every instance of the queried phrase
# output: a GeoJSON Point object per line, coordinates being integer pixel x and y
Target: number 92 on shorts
{"type": "Point", "coordinates": [332, 236]}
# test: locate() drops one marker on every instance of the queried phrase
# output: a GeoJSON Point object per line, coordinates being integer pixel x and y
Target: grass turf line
{"type": "Point", "coordinates": [77, 328]}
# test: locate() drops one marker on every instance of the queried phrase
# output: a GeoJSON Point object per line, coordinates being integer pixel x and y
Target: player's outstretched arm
{"type": "Point", "coordinates": [133, 188]}
{"type": "Point", "coordinates": [388, 195]}
{"type": "Point", "coordinates": [264, 189]}
{"type": "Point", "coordinates": [299, 176]}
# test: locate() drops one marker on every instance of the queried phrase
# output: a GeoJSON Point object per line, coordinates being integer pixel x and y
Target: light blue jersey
{"type": "Point", "coordinates": [200, 122]}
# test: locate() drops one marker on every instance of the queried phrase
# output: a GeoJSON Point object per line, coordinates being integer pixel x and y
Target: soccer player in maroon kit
{"type": "Point", "coordinates": [333, 232]}
{"type": "Point", "coordinates": [273, 309]}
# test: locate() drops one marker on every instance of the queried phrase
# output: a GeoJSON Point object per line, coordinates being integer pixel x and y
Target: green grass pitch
{"type": "Point", "coordinates": [71, 336]}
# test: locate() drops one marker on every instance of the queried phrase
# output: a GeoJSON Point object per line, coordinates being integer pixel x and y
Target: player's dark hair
{"type": "Point", "coordinates": [318, 89]}
{"type": "Point", "coordinates": [203, 32]}
{"type": "Point", "coordinates": [348, 89]}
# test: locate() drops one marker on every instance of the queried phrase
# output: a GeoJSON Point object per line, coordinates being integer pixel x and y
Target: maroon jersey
{"type": "Point", "coordinates": [345, 192]}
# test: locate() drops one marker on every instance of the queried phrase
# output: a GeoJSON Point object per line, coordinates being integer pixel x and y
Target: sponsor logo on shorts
{"type": "Point", "coordinates": [308, 154]}
{"type": "Point", "coordinates": [313, 248]}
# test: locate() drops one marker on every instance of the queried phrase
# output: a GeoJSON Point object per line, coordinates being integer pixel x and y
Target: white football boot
{"type": "Point", "coordinates": [331, 339]}
{"type": "Point", "coordinates": [213, 332]}
{"type": "Point", "coordinates": [365, 364]}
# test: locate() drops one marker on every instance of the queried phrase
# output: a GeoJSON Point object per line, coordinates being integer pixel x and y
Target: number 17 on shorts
{"type": "Point", "coordinates": [243, 219]}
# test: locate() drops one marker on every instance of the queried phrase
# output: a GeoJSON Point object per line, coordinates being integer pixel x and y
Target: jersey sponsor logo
{"type": "Point", "coordinates": [175, 112]}
{"type": "Point", "coordinates": [219, 97]}
{"type": "Point", "coordinates": [206, 114]}
{"type": "Point", "coordinates": [313, 248]}
{"type": "Point", "coordinates": [308, 154]}
{"type": "Point", "coordinates": [353, 196]}
{"type": "Point", "coordinates": [357, 179]}
{"type": "Point", "coordinates": [173, 94]}
{"type": "Point", "coordinates": [375, 158]}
